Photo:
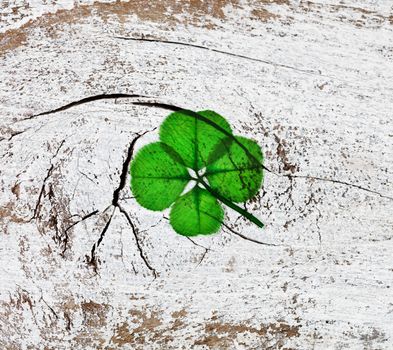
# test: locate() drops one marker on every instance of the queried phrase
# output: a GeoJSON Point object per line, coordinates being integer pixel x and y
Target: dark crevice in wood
{"type": "Point", "coordinates": [42, 190]}
{"type": "Point", "coordinates": [201, 47]}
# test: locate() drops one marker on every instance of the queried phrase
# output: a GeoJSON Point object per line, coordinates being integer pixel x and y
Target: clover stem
{"type": "Point", "coordinates": [232, 205]}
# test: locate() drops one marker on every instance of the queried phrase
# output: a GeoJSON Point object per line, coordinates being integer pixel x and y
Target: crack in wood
{"type": "Point", "coordinates": [66, 237]}
{"type": "Point", "coordinates": [180, 43]}
{"type": "Point", "coordinates": [48, 174]}
{"type": "Point", "coordinates": [248, 238]}
{"type": "Point", "coordinates": [92, 260]}
{"type": "Point", "coordinates": [200, 246]}
{"type": "Point", "coordinates": [139, 246]}
{"type": "Point", "coordinates": [83, 101]}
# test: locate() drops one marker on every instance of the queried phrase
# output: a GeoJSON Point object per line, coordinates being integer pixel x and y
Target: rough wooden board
{"type": "Point", "coordinates": [312, 82]}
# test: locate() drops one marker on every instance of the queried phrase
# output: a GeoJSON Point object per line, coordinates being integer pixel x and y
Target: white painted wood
{"type": "Point", "coordinates": [311, 82]}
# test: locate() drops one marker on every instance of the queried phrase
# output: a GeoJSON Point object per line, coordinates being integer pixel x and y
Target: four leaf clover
{"type": "Point", "coordinates": [198, 150]}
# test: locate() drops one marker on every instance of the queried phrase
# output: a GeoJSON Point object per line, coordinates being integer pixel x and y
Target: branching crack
{"type": "Point", "coordinates": [135, 232]}
{"type": "Point", "coordinates": [48, 174]}
{"type": "Point", "coordinates": [92, 259]}
{"type": "Point", "coordinates": [201, 246]}
{"type": "Point", "coordinates": [179, 43]}
{"type": "Point", "coordinates": [66, 237]}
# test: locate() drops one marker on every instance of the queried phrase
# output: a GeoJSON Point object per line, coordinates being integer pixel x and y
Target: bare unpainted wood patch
{"type": "Point", "coordinates": [262, 14]}
{"type": "Point", "coordinates": [8, 215]}
{"type": "Point", "coordinates": [225, 335]}
{"type": "Point", "coordinates": [151, 328]}
{"type": "Point", "coordinates": [95, 315]}
{"type": "Point", "coordinates": [147, 324]}
{"type": "Point", "coordinates": [179, 314]}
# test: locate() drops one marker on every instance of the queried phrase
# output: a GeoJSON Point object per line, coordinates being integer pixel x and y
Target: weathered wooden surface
{"type": "Point", "coordinates": [312, 82]}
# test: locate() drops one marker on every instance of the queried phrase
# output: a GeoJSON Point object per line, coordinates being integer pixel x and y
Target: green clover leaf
{"type": "Point", "coordinates": [235, 175]}
{"type": "Point", "coordinates": [157, 180]}
{"type": "Point", "coordinates": [197, 147]}
{"type": "Point", "coordinates": [193, 139]}
{"type": "Point", "coordinates": [197, 212]}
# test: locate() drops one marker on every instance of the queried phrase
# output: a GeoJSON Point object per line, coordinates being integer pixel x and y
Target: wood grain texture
{"type": "Point", "coordinates": [310, 81]}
